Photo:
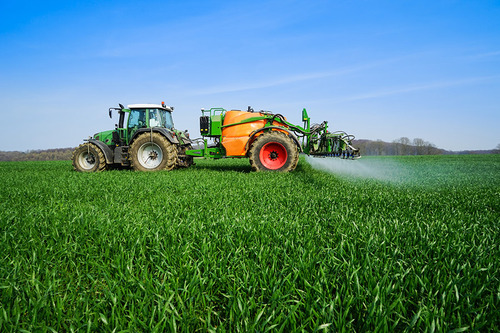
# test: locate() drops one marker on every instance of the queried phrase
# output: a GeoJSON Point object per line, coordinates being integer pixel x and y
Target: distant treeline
{"type": "Point", "coordinates": [57, 154]}
{"type": "Point", "coordinates": [405, 146]}
{"type": "Point", "coordinates": [401, 146]}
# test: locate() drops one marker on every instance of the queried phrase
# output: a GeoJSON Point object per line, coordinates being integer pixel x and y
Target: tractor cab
{"type": "Point", "coordinates": [140, 116]}
{"type": "Point", "coordinates": [148, 116]}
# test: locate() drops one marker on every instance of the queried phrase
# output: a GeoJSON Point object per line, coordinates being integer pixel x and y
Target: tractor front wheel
{"type": "Point", "coordinates": [88, 157]}
{"type": "Point", "coordinates": [273, 151]}
{"type": "Point", "coordinates": [152, 152]}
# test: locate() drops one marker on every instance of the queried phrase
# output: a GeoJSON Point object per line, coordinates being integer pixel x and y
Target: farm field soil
{"type": "Point", "coordinates": [219, 248]}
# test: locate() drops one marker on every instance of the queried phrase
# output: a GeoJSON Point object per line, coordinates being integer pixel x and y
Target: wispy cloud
{"type": "Point", "coordinates": [289, 79]}
{"type": "Point", "coordinates": [486, 55]}
{"type": "Point", "coordinates": [413, 88]}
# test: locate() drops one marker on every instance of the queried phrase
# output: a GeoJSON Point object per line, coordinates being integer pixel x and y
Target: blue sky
{"type": "Point", "coordinates": [376, 69]}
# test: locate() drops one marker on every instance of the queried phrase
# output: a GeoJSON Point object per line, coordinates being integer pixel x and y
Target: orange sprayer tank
{"type": "Point", "coordinates": [234, 138]}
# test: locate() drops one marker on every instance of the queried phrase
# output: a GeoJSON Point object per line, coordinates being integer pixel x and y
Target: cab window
{"type": "Point", "coordinates": [137, 118]}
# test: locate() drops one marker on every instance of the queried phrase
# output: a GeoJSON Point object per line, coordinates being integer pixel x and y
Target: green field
{"type": "Point", "coordinates": [219, 248]}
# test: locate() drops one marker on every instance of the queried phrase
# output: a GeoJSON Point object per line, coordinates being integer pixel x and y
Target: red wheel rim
{"type": "Point", "coordinates": [273, 155]}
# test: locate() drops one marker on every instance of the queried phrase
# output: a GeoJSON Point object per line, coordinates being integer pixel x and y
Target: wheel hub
{"type": "Point", "coordinates": [273, 155]}
{"type": "Point", "coordinates": [90, 159]}
{"type": "Point", "coordinates": [153, 155]}
{"type": "Point", "coordinates": [150, 155]}
{"type": "Point", "coordinates": [87, 160]}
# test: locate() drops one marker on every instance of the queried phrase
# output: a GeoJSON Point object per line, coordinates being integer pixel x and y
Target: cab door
{"type": "Point", "coordinates": [136, 120]}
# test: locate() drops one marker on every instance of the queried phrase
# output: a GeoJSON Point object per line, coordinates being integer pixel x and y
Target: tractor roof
{"type": "Point", "coordinates": [149, 106]}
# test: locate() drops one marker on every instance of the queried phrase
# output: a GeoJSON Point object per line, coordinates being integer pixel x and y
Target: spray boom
{"type": "Point", "coordinates": [316, 139]}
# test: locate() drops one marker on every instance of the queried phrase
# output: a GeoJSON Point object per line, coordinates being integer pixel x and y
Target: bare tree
{"type": "Point", "coordinates": [430, 149]}
{"type": "Point", "coordinates": [378, 146]}
{"type": "Point", "coordinates": [403, 145]}
{"type": "Point", "coordinates": [397, 147]}
{"type": "Point", "coordinates": [419, 145]}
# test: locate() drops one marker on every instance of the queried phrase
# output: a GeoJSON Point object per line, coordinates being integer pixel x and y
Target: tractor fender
{"type": "Point", "coordinates": [163, 131]}
{"type": "Point", "coordinates": [105, 149]}
{"type": "Point", "coordinates": [290, 134]}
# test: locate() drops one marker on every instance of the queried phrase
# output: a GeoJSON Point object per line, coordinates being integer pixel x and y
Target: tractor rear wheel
{"type": "Point", "coordinates": [273, 151]}
{"type": "Point", "coordinates": [152, 152]}
{"type": "Point", "coordinates": [88, 157]}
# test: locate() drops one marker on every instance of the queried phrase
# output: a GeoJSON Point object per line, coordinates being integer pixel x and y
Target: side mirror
{"type": "Point", "coordinates": [110, 113]}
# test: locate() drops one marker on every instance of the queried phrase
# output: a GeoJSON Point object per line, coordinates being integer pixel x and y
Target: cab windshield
{"type": "Point", "coordinates": [157, 118]}
{"type": "Point", "coordinates": [160, 118]}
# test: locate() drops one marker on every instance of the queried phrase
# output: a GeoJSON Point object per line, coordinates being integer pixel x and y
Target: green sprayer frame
{"type": "Point", "coordinates": [311, 140]}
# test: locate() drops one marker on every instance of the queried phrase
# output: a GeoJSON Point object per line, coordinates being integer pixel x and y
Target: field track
{"type": "Point", "coordinates": [219, 248]}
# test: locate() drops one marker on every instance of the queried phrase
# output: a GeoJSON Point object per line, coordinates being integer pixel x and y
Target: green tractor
{"type": "Point", "coordinates": [148, 142]}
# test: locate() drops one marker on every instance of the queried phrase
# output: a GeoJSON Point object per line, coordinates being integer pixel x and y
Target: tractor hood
{"type": "Point", "coordinates": [105, 136]}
